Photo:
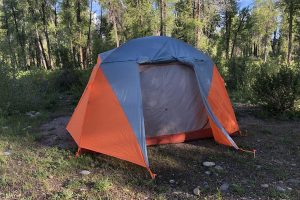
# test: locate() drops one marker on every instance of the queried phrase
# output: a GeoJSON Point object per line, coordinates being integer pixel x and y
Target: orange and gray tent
{"type": "Point", "coordinates": [152, 90]}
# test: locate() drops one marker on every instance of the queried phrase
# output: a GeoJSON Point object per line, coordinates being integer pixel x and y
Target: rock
{"type": "Point", "coordinates": [293, 181]}
{"type": "Point", "coordinates": [264, 185]}
{"type": "Point", "coordinates": [218, 167]}
{"type": "Point", "coordinates": [28, 127]}
{"type": "Point", "coordinates": [208, 164]}
{"type": "Point", "coordinates": [244, 181]}
{"type": "Point", "coordinates": [258, 166]}
{"type": "Point", "coordinates": [50, 176]}
{"type": "Point", "coordinates": [85, 172]}
{"type": "Point", "coordinates": [172, 181]}
{"type": "Point", "coordinates": [224, 187]}
{"type": "Point", "coordinates": [207, 172]}
{"type": "Point", "coordinates": [280, 189]}
{"type": "Point", "coordinates": [293, 164]}
{"type": "Point", "coordinates": [197, 191]}
{"type": "Point", "coordinates": [206, 185]}
{"type": "Point", "coordinates": [32, 113]}
{"type": "Point", "coordinates": [4, 127]}
{"type": "Point", "coordinates": [290, 189]}
{"type": "Point", "coordinates": [7, 153]}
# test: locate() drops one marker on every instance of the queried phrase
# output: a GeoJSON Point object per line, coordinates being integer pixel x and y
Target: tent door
{"type": "Point", "coordinates": [171, 99]}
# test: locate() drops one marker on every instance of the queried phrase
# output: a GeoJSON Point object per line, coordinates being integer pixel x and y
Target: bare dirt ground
{"type": "Point", "coordinates": [273, 174]}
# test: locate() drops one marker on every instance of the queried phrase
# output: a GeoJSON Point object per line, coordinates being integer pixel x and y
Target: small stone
{"type": "Point", "coordinates": [207, 172]}
{"type": "Point", "coordinates": [172, 181]}
{"type": "Point", "coordinates": [197, 191]}
{"type": "Point", "coordinates": [264, 185]}
{"type": "Point", "coordinates": [208, 164]}
{"type": "Point", "coordinates": [244, 181]}
{"type": "Point", "coordinates": [224, 187]}
{"type": "Point", "coordinates": [7, 153]}
{"type": "Point", "coordinates": [293, 181]}
{"type": "Point", "coordinates": [280, 189]}
{"type": "Point", "coordinates": [28, 127]}
{"type": "Point", "coordinates": [218, 167]}
{"type": "Point", "coordinates": [258, 166]}
{"type": "Point", "coordinates": [50, 176]}
{"type": "Point", "coordinates": [290, 189]}
{"type": "Point", "coordinates": [206, 185]}
{"type": "Point", "coordinates": [5, 127]}
{"type": "Point", "coordinates": [293, 164]}
{"type": "Point", "coordinates": [85, 172]}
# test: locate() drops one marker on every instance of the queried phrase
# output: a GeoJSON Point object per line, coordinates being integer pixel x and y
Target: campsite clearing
{"type": "Point", "coordinates": [42, 168]}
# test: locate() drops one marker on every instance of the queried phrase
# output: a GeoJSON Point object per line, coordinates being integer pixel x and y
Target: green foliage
{"type": "Point", "coordinates": [103, 185]}
{"type": "Point", "coordinates": [67, 79]}
{"type": "Point", "coordinates": [29, 90]}
{"type": "Point", "coordinates": [278, 92]}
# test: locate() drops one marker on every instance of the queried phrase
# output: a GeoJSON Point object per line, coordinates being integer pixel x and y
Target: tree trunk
{"type": "Point", "coordinates": [57, 48]}
{"type": "Point", "coordinates": [163, 15]}
{"type": "Point", "coordinates": [228, 20]}
{"type": "Point", "coordinates": [274, 42]}
{"type": "Point", "coordinates": [41, 50]}
{"type": "Point", "coordinates": [116, 31]}
{"type": "Point", "coordinates": [46, 33]}
{"type": "Point", "coordinates": [197, 7]}
{"type": "Point", "coordinates": [88, 48]}
{"type": "Point", "coordinates": [78, 13]}
{"type": "Point", "coordinates": [290, 37]}
{"type": "Point", "coordinates": [22, 54]}
{"type": "Point", "coordinates": [8, 37]}
{"type": "Point", "coordinates": [236, 34]}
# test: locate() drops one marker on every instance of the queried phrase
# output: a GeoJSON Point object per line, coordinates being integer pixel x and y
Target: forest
{"type": "Point", "coordinates": [48, 49]}
{"type": "Point", "coordinates": [249, 44]}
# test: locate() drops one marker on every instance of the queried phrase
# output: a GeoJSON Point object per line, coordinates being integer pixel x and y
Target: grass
{"type": "Point", "coordinates": [53, 173]}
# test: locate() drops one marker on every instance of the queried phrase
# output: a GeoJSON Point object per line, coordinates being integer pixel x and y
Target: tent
{"type": "Point", "coordinates": [152, 90]}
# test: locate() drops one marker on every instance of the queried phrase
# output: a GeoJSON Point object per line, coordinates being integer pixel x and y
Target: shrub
{"type": "Point", "coordinates": [66, 79]}
{"type": "Point", "coordinates": [278, 92]}
{"type": "Point", "coordinates": [29, 90]}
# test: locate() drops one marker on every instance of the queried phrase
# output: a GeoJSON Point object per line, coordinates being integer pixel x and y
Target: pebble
{"type": "Point", "coordinates": [289, 188]}
{"type": "Point", "coordinates": [293, 181]}
{"type": "Point", "coordinates": [172, 181]}
{"type": "Point", "coordinates": [293, 164]}
{"type": "Point", "coordinates": [207, 172]}
{"type": "Point", "coordinates": [197, 191]}
{"type": "Point", "coordinates": [218, 167]}
{"type": "Point", "coordinates": [7, 153]}
{"type": "Point", "coordinates": [208, 164]}
{"type": "Point", "coordinates": [206, 185]}
{"type": "Point", "coordinates": [280, 189]}
{"type": "Point", "coordinates": [264, 185]}
{"type": "Point", "coordinates": [85, 172]}
{"type": "Point", "coordinates": [50, 176]}
{"type": "Point", "coordinates": [32, 113]}
{"type": "Point", "coordinates": [5, 127]}
{"type": "Point", "coordinates": [224, 187]}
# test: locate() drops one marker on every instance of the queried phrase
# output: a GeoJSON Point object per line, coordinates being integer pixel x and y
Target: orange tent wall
{"type": "Point", "coordinates": [100, 124]}
{"type": "Point", "coordinates": [221, 106]}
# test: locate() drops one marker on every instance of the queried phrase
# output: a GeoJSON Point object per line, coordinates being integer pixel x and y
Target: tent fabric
{"type": "Point", "coordinates": [115, 107]}
{"type": "Point", "coordinates": [170, 93]}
